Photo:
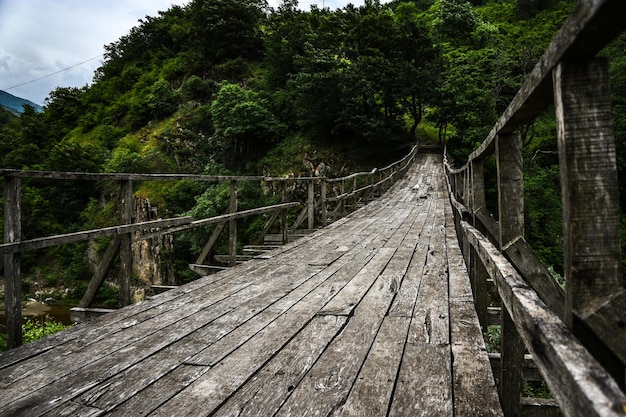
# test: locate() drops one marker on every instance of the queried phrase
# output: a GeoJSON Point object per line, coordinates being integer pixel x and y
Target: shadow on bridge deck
{"type": "Point", "coordinates": [370, 316]}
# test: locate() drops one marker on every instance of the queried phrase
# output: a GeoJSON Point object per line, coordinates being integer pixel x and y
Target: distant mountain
{"type": "Point", "coordinates": [15, 104]}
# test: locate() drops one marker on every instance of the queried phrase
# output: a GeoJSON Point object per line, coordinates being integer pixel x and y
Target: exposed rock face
{"type": "Point", "coordinates": [149, 265]}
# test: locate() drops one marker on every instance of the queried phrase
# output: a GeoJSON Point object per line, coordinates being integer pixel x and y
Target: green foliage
{"type": "Point", "coordinates": [231, 86]}
{"type": "Point", "coordinates": [536, 389]}
{"type": "Point", "coordinates": [195, 88]}
{"type": "Point", "coordinates": [34, 329]}
{"type": "Point", "coordinates": [244, 126]}
{"type": "Point", "coordinates": [492, 338]}
{"type": "Point", "coordinates": [544, 225]}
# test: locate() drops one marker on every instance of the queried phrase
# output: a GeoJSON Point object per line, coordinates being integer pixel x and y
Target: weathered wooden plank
{"type": "Point", "coordinates": [404, 302]}
{"type": "Point", "coordinates": [349, 296]}
{"type": "Point", "coordinates": [273, 384]}
{"type": "Point", "coordinates": [537, 407]}
{"type": "Point", "coordinates": [590, 195]}
{"type": "Point", "coordinates": [154, 395]}
{"type": "Point", "coordinates": [580, 384]}
{"type": "Point", "coordinates": [509, 162]}
{"type": "Point", "coordinates": [375, 383]}
{"type": "Point", "coordinates": [74, 409]}
{"type": "Point", "coordinates": [473, 382]}
{"type": "Point", "coordinates": [430, 322]}
{"type": "Point", "coordinates": [335, 372]}
{"type": "Point", "coordinates": [424, 386]}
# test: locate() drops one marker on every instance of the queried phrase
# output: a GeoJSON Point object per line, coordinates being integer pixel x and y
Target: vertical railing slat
{"type": "Point", "coordinates": [511, 221]}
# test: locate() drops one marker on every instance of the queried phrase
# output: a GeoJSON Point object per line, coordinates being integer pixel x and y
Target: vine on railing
{"type": "Point", "coordinates": [576, 336]}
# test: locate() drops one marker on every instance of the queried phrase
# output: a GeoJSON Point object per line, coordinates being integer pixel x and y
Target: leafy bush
{"type": "Point", "coordinates": [33, 329]}
{"type": "Point", "coordinates": [492, 338]}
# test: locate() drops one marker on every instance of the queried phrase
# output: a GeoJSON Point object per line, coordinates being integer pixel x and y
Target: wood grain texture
{"type": "Point", "coordinates": [580, 384]}
{"type": "Point", "coordinates": [350, 320]}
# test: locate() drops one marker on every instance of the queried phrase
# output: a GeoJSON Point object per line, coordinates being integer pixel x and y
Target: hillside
{"type": "Point", "coordinates": [230, 87]}
{"type": "Point", "coordinates": [16, 104]}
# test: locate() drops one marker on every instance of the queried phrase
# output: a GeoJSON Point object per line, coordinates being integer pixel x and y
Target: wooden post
{"type": "Point", "coordinates": [310, 203]}
{"type": "Point", "coordinates": [511, 220]}
{"type": "Point", "coordinates": [590, 195]}
{"type": "Point", "coordinates": [283, 215]}
{"type": "Point", "coordinates": [478, 272]}
{"type": "Point", "coordinates": [342, 191]}
{"type": "Point", "coordinates": [354, 197]}
{"type": "Point", "coordinates": [126, 256]}
{"type": "Point", "coordinates": [232, 225]}
{"type": "Point", "coordinates": [323, 201]}
{"type": "Point", "coordinates": [12, 282]}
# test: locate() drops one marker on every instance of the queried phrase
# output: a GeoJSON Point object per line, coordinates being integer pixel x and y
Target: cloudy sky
{"type": "Point", "coordinates": [49, 43]}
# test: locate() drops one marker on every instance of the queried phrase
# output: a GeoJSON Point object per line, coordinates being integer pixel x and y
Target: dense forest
{"type": "Point", "coordinates": [236, 87]}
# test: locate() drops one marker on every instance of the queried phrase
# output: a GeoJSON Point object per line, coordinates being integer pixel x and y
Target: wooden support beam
{"type": "Point", "coordinates": [310, 204]}
{"type": "Point", "coordinates": [522, 256]}
{"type": "Point", "coordinates": [210, 243]}
{"type": "Point", "coordinates": [12, 264]}
{"type": "Point", "coordinates": [511, 214]}
{"type": "Point", "coordinates": [478, 273]}
{"type": "Point", "coordinates": [126, 255]}
{"type": "Point", "coordinates": [509, 161]}
{"type": "Point", "coordinates": [267, 226]}
{"type": "Point", "coordinates": [284, 228]}
{"type": "Point", "coordinates": [101, 273]}
{"type": "Point", "coordinates": [323, 201]}
{"type": "Point", "coordinates": [232, 225]}
{"type": "Point", "coordinates": [590, 195]}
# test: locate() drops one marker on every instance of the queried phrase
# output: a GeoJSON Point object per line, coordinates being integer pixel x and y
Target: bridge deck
{"type": "Point", "coordinates": [371, 316]}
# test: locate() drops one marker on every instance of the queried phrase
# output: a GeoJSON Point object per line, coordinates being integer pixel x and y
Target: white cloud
{"type": "Point", "coordinates": [41, 37]}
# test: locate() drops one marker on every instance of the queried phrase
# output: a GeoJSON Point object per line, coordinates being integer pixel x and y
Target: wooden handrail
{"type": "Point", "coordinates": [126, 233]}
{"type": "Point", "coordinates": [575, 334]}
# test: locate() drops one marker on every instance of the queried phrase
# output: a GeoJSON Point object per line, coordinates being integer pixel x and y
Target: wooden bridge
{"type": "Point", "coordinates": [381, 312]}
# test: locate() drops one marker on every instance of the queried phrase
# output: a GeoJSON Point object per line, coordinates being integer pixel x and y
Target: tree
{"type": "Point", "coordinates": [243, 123]}
{"type": "Point", "coordinates": [226, 29]}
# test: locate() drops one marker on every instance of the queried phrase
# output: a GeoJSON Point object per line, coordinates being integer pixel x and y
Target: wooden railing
{"type": "Point", "coordinates": [576, 336]}
{"type": "Point", "coordinates": [318, 209]}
